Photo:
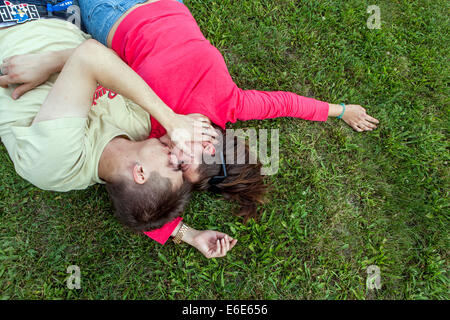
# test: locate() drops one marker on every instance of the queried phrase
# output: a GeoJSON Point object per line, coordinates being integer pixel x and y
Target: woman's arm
{"type": "Point", "coordinates": [162, 234]}
{"type": "Point", "coordinates": [210, 243]}
{"type": "Point", "coordinates": [254, 104]}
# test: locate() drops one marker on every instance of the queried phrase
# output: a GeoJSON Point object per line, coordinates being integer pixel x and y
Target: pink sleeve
{"type": "Point", "coordinates": [261, 105]}
{"type": "Point", "coordinates": [162, 234]}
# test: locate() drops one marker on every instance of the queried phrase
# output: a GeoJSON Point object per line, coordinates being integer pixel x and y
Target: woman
{"type": "Point", "coordinates": [161, 41]}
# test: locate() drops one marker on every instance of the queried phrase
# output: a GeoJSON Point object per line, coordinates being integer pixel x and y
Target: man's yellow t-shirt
{"type": "Point", "coordinates": [61, 154]}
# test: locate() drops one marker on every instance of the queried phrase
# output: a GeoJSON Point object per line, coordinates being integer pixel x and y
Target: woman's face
{"type": "Point", "coordinates": [189, 164]}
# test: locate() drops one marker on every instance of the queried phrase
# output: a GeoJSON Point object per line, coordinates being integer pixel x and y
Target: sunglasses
{"type": "Point", "coordinates": [218, 179]}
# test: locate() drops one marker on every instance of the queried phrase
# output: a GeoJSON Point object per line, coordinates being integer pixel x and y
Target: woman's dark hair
{"type": "Point", "coordinates": [148, 206]}
{"type": "Point", "coordinates": [244, 182]}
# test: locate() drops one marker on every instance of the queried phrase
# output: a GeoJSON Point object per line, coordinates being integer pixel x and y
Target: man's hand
{"type": "Point", "coordinates": [183, 129]}
{"type": "Point", "coordinates": [28, 70]}
{"type": "Point", "coordinates": [213, 244]}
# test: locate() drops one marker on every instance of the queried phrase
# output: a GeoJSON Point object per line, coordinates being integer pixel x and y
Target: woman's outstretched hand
{"type": "Point", "coordinates": [213, 244]}
{"type": "Point", "coordinates": [183, 129]}
{"type": "Point", "coordinates": [357, 118]}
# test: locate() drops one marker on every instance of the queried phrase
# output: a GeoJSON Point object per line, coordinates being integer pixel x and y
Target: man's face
{"type": "Point", "coordinates": [155, 156]}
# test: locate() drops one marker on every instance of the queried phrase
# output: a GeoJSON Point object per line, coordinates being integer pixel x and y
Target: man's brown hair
{"type": "Point", "coordinates": [148, 206]}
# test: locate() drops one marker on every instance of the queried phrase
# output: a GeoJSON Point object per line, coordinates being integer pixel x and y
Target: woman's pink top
{"type": "Point", "coordinates": [162, 42]}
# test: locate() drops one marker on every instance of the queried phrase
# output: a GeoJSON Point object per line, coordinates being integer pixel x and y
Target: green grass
{"type": "Point", "coordinates": [340, 202]}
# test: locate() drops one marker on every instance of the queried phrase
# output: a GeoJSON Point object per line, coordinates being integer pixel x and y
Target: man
{"type": "Point", "coordinates": [58, 142]}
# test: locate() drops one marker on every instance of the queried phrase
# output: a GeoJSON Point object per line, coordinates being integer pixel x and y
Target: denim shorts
{"type": "Point", "coordinates": [100, 15]}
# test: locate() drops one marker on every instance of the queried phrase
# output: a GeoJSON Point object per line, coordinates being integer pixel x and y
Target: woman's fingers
{"type": "Point", "coordinates": [357, 118]}
{"type": "Point", "coordinates": [372, 119]}
{"type": "Point", "coordinates": [233, 243]}
{"type": "Point", "coordinates": [370, 125]}
{"type": "Point", "coordinates": [223, 245]}
{"type": "Point", "coordinates": [356, 127]}
{"type": "Point", "coordinates": [227, 243]}
{"type": "Point", "coordinates": [219, 234]}
{"type": "Point", "coordinates": [366, 125]}
{"type": "Point", "coordinates": [362, 127]}
{"type": "Point", "coordinates": [223, 250]}
{"type": "Point", "coordinates": [215, 253]}
{"type": "Point", "coordinates": [218, 248]}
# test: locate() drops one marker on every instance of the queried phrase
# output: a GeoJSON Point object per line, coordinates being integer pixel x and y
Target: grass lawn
{"type": "Point", "coordinates": [340, 202]}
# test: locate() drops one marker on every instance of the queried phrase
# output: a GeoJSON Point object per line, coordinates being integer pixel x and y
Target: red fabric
{"type": "Point", "coordinates": [162, 234]}
{"type": "Point", "coordinates": [162, 42]}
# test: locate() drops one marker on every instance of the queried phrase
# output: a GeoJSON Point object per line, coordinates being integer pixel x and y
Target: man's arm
{"type": "Point", "coordinates": [92, 63]}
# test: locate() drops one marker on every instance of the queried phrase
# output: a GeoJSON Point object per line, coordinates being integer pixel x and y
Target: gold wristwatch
{"type": "Point", "coordinates": [180, 233]}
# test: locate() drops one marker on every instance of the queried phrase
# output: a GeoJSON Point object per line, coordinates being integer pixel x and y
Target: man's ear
{"type": "Point", "coordinates": [139, 175]}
